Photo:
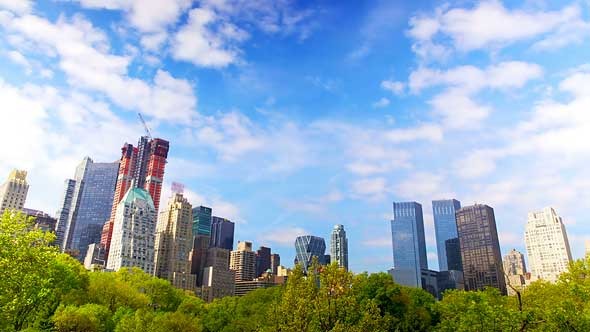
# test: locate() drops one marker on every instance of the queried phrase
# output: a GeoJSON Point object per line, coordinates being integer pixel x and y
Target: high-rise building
{"type": "Point", "coordinates": [198, 256]}
{"type": "Point", "coordinates": [218, 279]}
{"type": "Point", "coordinates": [547, 245]}
{"type": "Point", "coordinates": [339, 247]}
{"type": "Point", "coordinates": [275, 262]}
{"type": "Point", "coordinates": [139, 167]}
{"type": "Point", "coordinates": [243, 262]}
{"type": "Point", "coordinates": [13, 192]}
{"type": "Point", "coordinates": [480, 249]}
{"type": "Point", "coordinates": [307, 247]}
{"type": "Point", "coordinates": [445, 228]}
{"type": "Point", "coordinates": [86, 204]}
{"type": "Point", "coordinates": [202, 220]}
{"type": "Point", "coordinates": [173, 244]}
{"type": "Point", "coordinates": [262, 260]}
{"type": "Point", "coordinates": [409, 245]}
{"type": "Point", "coordinates": [132, 242]}
{"type": "Point", "coordinates": [453, 253]}
{"type": "Point", "coordinates": [514, 271]}
{"type": "Point", "coordinates": [43, 221]}
{"type": "Point", "coordinates": [222, 233]}
{"type": "Point", "coordinates": [94, 256]}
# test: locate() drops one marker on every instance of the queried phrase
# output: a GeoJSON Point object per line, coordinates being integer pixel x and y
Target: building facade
{"type": "Point", "coordinates": [480, 248]}
{"type": "Point", "coordinates": [202, 220]}
{"type": "Point", "coordinates": [409, 245]}
{"type": "Point", "coordinates": [133, 241]}
{"type": "Point", "coordinates": [445, 228]}
{"type": "Point", "coordinates": [222, 233]}
{"type": "Point", "coordinates": [173, 244]}
{"type": "Point", "coordinates": [275, 262]}
{"type": "Point", "coordinates": [243, 262]}
{"type": "Point", "coordinates": [514, 271]}
{"type": "Point", "coordinates": [43, 221]}
{"type": "Point", "coordinates": [64, 212]}
{"type": "Point", "coordinates": [13, 192]}
{"type": "Point", "coordinates": [262, 260]}
{"type": "Point", "coordinates": [218, 279]}
{"type": "Point", "coordinates": [198, 256]}
{"type": "Point", "coordinates": [339, 247]}
{"type": "Point", "coordinates": [307, 247]}
{"type": "Point", "coordinates": [547, 245]}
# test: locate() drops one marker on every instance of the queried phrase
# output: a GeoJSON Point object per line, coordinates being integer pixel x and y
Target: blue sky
{"type": "Point", "coordinates": [289, 117]}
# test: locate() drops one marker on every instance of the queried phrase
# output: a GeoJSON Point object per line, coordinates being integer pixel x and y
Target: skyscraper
{"type": "Point", "coordinates": [262, 260]}
{"type": "Point", "coordinates": [13, 192]}
{"type": "Point", "coordinates": [339, 247]}
{"type": "Point", "coordinates": [275, 262]}
{"type": "Point", "coordinates": [134, 164]}
{"type": "Point", "coordinates": [218, 279]}
{"type": "Point", "coordinates": [173, 244]}
{"type": "Point", "coordinates": [133, 232]}
{"type": "Point", "coordinates": [243, 262]}
{"type": "Point", "coordinates": [63, 212]}
{"type": "Point", "coordinates": [222, 233]}
{"type": "Point", "coordinates": [480, 249]}
{"type": "Point", "coordinates": [514, 270]}
{"type": "Point", "coordinates": [198, 256]}
{"type": "Point", "coordinates": [307, 247]}
{"type": "Point", "coordinates": [90, 199]}
{"type": "Point", "coordinates": [445, 228]}
{"type": "Point", "coordinates": [547, 245]}
{"type": "Point", "coordinates": [202, 220]}
{"type": "Point", "coordinates": [409, 245]}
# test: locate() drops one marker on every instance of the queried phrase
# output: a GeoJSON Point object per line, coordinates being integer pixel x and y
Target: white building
{"type": "Point", "coordinates": [132, 243]}
{"type": "Point", "coordinates": [243, 262]}
{"type": "Point", "coordinates": [339, 247]}
{"type": "Point", "coordinates": [547, 245]}
{"type": "Point", "coordinates": [13, 192]}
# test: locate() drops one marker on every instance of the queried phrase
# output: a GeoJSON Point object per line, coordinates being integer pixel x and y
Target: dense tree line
{"type": "Point", "coordinates": [43, 290]}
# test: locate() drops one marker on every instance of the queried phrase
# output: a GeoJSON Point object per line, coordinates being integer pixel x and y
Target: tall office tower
{"type": "Point", "coordinates": [445, 228]}
{"type": "Point", "coordinates": [138, 169]}
{"type": "Point", "coordinates": [222, 233]}
{"type": "Point", "coordinates": [13, 193]}
{"type": "Point", "coordinates": [339, 247]}
{"type": "Point", "coordinates": [202, 220]}
{"type": "Point", "coordinates": [64, 212]}
{"type": "Point", "coordinates": [409, 246]}
{"type": "Point", "coordinates": [173, 244]}
{"type": "Point", "coordinates": [132, 243]}
{"type": "Point", "coordinates": [90, 205]}
{"type": "Point", "coordinates": [480, 249]}
{"type": "Point", "coordinates": [275, 262]}
{"type": "Point", "coordinates": [218, 279]}
{"type": "Point", "coordinates": [514, 271]}
{"type": "Point", "coordinates": [453, 252]}
{"type": "Point", "coordinates": [243, 262]}
{"type": "Point", "coordinates": [262, 260]}
{"type": "Point", "coordinates": [198, 256]}
{"type": "Point", "coordinates": [307, 247]}
{"type": "Point", "coordinates": [547, 246]}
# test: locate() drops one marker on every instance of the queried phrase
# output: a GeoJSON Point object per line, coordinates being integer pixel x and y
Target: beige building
{"type": "Point", "coordinates": [515, 271]}
{"type": "Point", "coordinates": [243, 262]}
{"type": "Point", "coordinates": [173, 243]}
{"type": "Point", "coordinates": [13, 192]}
{"type": "Point", "coordinates": [218, 279]}
{"type": "Point", "coordinates": [547, 245]}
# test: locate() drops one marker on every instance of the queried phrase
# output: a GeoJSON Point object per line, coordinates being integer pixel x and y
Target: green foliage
{"type": "Point", "coordinates": [87, 318]}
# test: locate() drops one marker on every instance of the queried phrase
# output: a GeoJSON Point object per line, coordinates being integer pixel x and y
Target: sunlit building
{"type": "Point", "coordinates": [13, 192]}
{"type": "Point", "coordinates": [409, 245]}
{"type": "Point", "coordinates": [339, 246]}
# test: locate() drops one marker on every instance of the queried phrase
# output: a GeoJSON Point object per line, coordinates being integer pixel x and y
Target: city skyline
{"type": "Point", "coordinates": [285, 127]}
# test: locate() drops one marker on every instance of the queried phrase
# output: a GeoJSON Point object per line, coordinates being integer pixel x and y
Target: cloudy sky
{"type": "Point", "coordinates": [289, 117]}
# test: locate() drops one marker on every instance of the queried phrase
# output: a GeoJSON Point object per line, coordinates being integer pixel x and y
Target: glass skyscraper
{"type": "Point", "coordinates": [445, 228]}
{"type": "Point", "coordinates": [202, 220]}
{"type": "Point", "coordinates": [339, 247]}
{"type": "Point", "coordinates": [222, 233]}
{"type": "Point", "coordinates": [308, 246]}
{"type": "Point", "coordinates": [409, 245]}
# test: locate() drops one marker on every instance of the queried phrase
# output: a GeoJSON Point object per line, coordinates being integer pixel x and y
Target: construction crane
{"type": "Point", "coordinates": [147, 129]}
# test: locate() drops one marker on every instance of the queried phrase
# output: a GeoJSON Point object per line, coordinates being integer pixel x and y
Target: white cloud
{"type": "Point", "coordinates": [18, 58]}
{"type": "Point", "coordinates": [17, 6]}
{"type": "Point", "coordinates": [370, 188]}
{"type": "Point", "coordinates": [428, 132]}
{"type": "Point", "coordinates": [394, 87]}
{"type": "Point", "coordinates": [378, 242]}
{"type": "Point", "coordinates": [459, 111]}
{"type": "Point", "coordinates": [383, 102]}
{"type": "Point", "coordinates": [421, 186]}
{"type": "Point", "coordinates": [282, 236]}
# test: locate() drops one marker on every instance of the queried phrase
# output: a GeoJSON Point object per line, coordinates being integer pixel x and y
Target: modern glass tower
{"type": "Point", "coordinates": [202, 220]}
{"type": "Point", "coordinates": [445, 228]}
{"type": "Point", "coordinates": [480, 249]}
{"type": "Point", "coordinates": [222, 233]}
{"type": "Point", "coordinates": [307, 247]}
{"type": "Point", "coordinates": [409, 245]}
{"type": "Point", "coordinates": [339, 247]}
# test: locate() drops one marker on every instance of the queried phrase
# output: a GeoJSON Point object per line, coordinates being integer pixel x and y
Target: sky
{"type": "Point", "coordinates": [290, 117]}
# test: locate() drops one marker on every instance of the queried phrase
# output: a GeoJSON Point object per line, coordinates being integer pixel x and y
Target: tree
{"type": "Point", "coordinates": [87, 318]}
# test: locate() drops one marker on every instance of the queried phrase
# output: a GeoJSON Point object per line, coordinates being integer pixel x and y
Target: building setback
{"type": "Point", "coordinates": [480, 249]}
{"type": "Point", "coordinates": [222, 233]}
{"type": "Point", "coordinates": [173, 244]}
{"type": "Point", "coordinates": [445, 228]}
{"type": "Point", "coordinates": [13, 192]}
{"type": "Point", "coordinates": [243, 262]}
{"type": "Point", "coordinates": [133, 232]}
{"type": "Point", "coordinates": [409, 245]}
{"type": "Point", "coordinates": [339, 247]}
{"type": "Point", "coordinates": [547, 245]}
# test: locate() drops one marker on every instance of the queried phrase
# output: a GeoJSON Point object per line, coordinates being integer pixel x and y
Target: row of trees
{"type": "Point", "coordinates": [43, 290]}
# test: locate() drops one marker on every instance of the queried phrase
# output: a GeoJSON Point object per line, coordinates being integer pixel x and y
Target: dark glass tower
{"type": "Point", "coordinates": [222, 233]}
{"type": "Point", "coordinates": [409, 245]}
{"type": "Point", "coordinates": [307, 247]}
{"type": "Point", "coordinates": [262, 260]}
{"type": "Point", "coordinates": [480, 249]}
{"type": "Point", "coordinates": [445, 228]}
{"type": "Point", "coordinates": [202, 220]}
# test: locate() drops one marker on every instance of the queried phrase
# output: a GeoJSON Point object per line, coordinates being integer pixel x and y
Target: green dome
{"type": "Point", "coordinates": [138, 193]}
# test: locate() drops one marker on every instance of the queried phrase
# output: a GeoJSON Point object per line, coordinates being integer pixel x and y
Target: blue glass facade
{"type": "Point", "coordinates": [445, 228]}
{"type": "Point", "coordinates": [308, 246]}
{"type": "Point", "coordinates": [222, 233]}
{"type": "Point", "coordinates": [409, 245]}
{"type": "Point", "coordinates": [202, 221]}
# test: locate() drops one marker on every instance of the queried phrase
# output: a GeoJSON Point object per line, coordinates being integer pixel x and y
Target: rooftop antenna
{"type": "Point", "coordinates": [145, 126]}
